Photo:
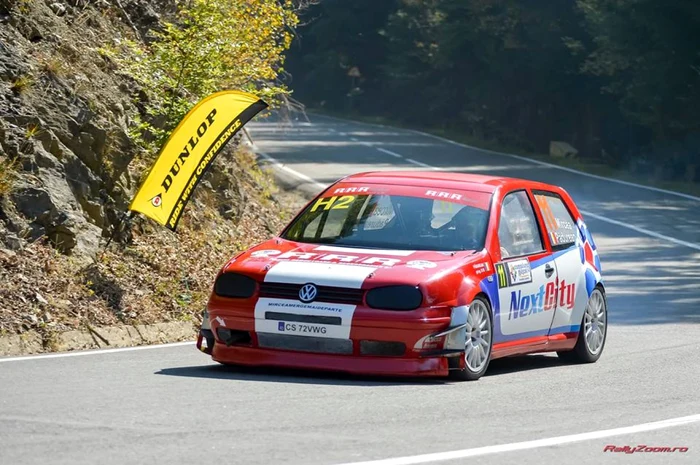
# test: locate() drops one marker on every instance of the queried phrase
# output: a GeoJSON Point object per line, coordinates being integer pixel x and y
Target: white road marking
{"type": "Point", "coordinates": [93, 352]}
{"type": "Point", "coordinates": [530, 160]}
{"type": "Point", "coordinates": [389, 152]}
{"type": "Point", "coordinates": [354, 139]}
{"type": "Point", "coordinates": [642, 230]}
{"type": "Point", "coordinates": [291, 171]}
{"type": "Point", "coordinates": [411, 160]}
{"type": "Point", "coordinates": [592, 215]}
{"type": "Point", "coordinates": [525, 445]}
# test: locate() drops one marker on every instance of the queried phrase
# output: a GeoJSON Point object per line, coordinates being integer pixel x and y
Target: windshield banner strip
{"type": "Point", "coordinates": [348, 192]}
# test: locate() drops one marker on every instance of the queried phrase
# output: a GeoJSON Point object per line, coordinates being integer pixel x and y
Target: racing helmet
{"type": "Point", "coordinates": [417, 212]}
{"type": "Point", "coordinates": [470, 226]}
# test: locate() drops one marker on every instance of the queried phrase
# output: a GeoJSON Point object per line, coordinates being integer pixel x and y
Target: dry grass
{"type": "Point", "coordinates": [22, 84]}
{"type": "Point", "coordinates": [161, 276]}
{"type": "Point", "coordinates": [8, 168]}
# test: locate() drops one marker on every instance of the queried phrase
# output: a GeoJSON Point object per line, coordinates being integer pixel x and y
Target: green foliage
{"type": "Point", "coordinates": [616, 78]}
{"type": "Point", "coordinates": [342, 35]}
{"type": "Point", "coordinates": [648, 52]}
{"type": "Point", "coordinates": [212, 45]}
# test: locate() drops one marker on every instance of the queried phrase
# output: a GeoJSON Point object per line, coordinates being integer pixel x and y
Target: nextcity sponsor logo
{"type": "Point", "coordinates": [548, 297]}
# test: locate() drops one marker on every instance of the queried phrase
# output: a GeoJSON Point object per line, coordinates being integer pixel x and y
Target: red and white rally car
{"type": "Point", "coordinates": [414, 273]}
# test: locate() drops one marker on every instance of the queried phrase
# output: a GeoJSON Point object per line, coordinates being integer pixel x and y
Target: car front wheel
{"type": "Point", "coordinates": [477, 352]}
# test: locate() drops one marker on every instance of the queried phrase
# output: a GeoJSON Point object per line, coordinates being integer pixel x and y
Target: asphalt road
{"type": "Point", "coordinates": [172, 405]}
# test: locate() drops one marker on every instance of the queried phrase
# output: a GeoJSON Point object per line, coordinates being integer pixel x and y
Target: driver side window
{"type": "Point", "coordinates": [518, 233]}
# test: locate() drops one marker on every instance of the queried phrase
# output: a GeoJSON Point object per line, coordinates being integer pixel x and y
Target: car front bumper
{"type": "Point", "coordinates": [423, 348]}
{"type": "Point", "coordinates": [367, 365]}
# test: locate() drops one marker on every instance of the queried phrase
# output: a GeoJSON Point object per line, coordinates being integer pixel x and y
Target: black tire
{"type": "Point", "coordinates": [468, 374]}
{"type": "Point", "coordinates": [581, 352]}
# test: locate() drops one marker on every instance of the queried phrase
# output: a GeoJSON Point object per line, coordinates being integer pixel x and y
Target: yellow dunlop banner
{"type": "Point", "coordinates": [189, 151]}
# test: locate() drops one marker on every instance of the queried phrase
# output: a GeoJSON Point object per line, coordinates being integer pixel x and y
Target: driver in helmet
{"type": "Point", "coordinates": [470, 228]}
{"type": "Point", "coordinates": [417, 214]}
{"type": "Point", "coordinates": [412, 219]}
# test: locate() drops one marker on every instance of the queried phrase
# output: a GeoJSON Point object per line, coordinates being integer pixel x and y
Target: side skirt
{"type": "Point", "coordinates": [555, 342]}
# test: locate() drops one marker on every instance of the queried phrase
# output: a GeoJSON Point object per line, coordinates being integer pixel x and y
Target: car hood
{"type": "Point", "coordinates": [279, 260]}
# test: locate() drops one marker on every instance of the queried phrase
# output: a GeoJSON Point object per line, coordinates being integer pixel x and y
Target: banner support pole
{"type": "Point", "coordinates": [130, 215]}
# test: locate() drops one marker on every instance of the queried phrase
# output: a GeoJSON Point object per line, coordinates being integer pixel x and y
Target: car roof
{"type": "Point", "coordinates": [442, 179]}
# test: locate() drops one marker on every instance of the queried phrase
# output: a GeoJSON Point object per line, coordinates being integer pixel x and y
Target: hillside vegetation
{"type": "Point", "coordinates": [89, 89]}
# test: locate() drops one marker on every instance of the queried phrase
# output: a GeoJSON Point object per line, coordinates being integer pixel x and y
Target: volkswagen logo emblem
{"type": "Point", "coordinates": [307, 293]}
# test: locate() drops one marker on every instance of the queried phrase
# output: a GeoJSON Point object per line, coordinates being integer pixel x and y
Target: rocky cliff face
{"type": "Point", "coordinates": [64, 122]}
{"type": "Point", "coordinates": [68, 170]}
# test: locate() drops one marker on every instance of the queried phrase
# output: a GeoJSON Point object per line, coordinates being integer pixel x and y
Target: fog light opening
{"type": "Point", "coordinates": [233, 336]}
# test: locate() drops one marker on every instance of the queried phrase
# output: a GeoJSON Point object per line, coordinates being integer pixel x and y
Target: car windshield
{"type": "Point", "coordinates": [454, 221]}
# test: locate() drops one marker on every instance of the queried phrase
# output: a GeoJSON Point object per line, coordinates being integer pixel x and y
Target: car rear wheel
{"type": "Point", "coordinates": [592, 333]}
{"type": "Point", "coordinates": [477, 353]}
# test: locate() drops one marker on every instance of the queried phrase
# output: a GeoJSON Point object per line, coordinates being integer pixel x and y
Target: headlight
{"type": "Point", "coordinates": [395, 298]}
{"type": "Point", "coordinates": [234, 285]}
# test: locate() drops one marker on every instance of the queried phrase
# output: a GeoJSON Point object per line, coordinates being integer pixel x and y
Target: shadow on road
{"type": "Point", "coordinates": [278, 375]}
{"type": "Point", "coordinates": [647, 282]}
{"type": "Point", "coordinates": [283, 375]}
{"type": "Point", "coordinates": [509, 365]}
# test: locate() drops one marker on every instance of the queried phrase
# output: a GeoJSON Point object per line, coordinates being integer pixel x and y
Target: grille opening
{"type": "Point", "coordinates": [233, 336]}
{"type": "Point", "coordinates": [339, 295]}
{"type": "Point", "coordinates": [320, 345]}
{"type": "Point", "coordinates": [382, 348]}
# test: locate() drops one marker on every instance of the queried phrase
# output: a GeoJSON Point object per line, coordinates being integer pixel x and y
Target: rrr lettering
{"type": "Point", "coordinates": [444, 195]}
{"type": "Point", "coordinates": [349, 190]}
{"type": "Point", "coordinates": [545, 300]}
{"type": "Point", "coordinates": [340, 258]}
{"type": "Point", "coordinates": [192, 143]}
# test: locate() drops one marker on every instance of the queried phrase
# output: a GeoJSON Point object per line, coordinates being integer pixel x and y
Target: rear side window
{"type": "Point", "coordinates": [518, 233]}
{"type": "Point", "coordinates": [561, 227]}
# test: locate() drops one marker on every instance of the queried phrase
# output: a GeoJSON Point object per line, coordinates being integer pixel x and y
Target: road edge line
{"type": "Point", "coordinates": [519, 157]}
{"type": "Point", "coordinates": [80, 353]}
{"type": "Point", "coordinates": [533, 444]}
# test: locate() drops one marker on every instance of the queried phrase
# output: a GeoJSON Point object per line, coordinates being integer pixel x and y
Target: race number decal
{"type": "Point", "coordinates": [333, 203]}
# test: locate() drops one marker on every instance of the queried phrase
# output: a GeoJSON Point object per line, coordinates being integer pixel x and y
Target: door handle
{"type": "Point", "coordinates": [548, 270]}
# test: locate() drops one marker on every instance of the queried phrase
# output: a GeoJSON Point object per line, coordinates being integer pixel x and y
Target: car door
{"type": "Point", "coordinates": [526, 275]}
{"type": "Point", "coordinates": [563, 237]}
